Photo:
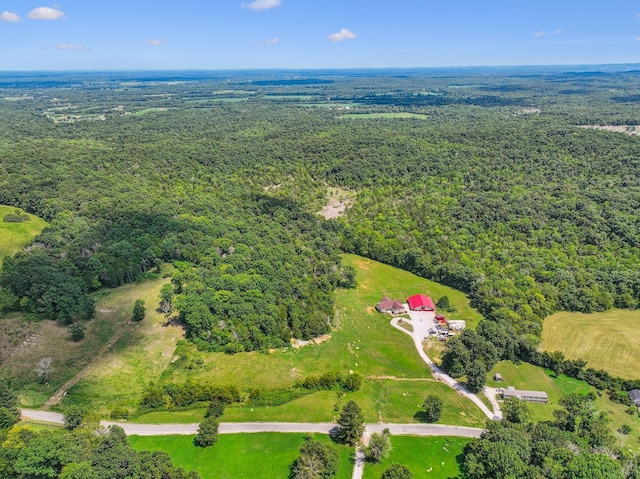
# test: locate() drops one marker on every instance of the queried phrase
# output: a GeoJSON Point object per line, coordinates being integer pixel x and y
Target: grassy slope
{"type": "Point", "coordinates": [15, 236]}
{"type": "Point", "coordinates": [364, 342]}
{"type": "Point", "coordinates": [609, 340]}
{"type": "Point", "coordinates": [234, 456]}
{"type": "Point", "coordinates": [49, 339]}
{"type": "Point", "coordinates": [142, 352]}
{"type": "Point", "coordinates": [527, 376]}
{"type": "Point", "coordinates": [426, 457]}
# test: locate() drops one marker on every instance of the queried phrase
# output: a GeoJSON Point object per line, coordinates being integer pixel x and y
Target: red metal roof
{"type": "Point", "coordinates": [419, 300]}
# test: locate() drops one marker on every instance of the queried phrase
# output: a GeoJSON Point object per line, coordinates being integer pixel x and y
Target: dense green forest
{"type": "Point", "coordinates": [496, 190]}
{"type": "Point", "coordinates": [502, 183]}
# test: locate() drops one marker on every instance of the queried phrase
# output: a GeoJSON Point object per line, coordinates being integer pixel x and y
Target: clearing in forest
{"type": "Point", "coordinates": [339, 201]}
{"type": "Point", "coordinates": [15, 236]}
{"type": "Point", "coordinates": [609, 340]}
{"type": "Point", "coordinates": [626, 129]}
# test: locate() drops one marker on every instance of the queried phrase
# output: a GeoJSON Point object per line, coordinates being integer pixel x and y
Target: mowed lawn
{"type": "Point", "coordinates": [526, 376]}
{"type": "Point", "coordinates": [363, 342]}
{"type": "Point", "coordinates": [15, 236]}
{"type": "Point", "coordinates": [608, 340]}
{"type": "Point", "coordinates": [235, 456]}
{"type": "Point", "coordinates": [425, 457]}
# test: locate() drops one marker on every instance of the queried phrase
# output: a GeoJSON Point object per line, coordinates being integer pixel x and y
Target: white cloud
{"type": "Point", "coordinates": [71, 46]}
{"type": "Point", "coordinates": [558, 31]}
{"type": "Point", "coordinates": [638, 39]}
{"type": "Point", "coordinates": [272, 41]}
{"type": "Point", "coordinates": [45, 13]}
{"type": "Point", "coordinates": [258, 5]}
{"type": "Point", "coordinates": [539, 34]}
{"type": "Point", "coordinates": [342, 35]}
{"type": "Point", "coordinates": [9, 17]}
{"type": "Point", "coordinates": [156, 42]}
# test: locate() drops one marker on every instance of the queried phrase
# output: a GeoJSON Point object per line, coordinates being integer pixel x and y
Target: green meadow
{"type": "Point", "coordinates": [235, 456]}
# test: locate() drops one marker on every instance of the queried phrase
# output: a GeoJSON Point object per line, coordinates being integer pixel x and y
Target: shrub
{"type": "Point", "coordinates": [433, 408]}
{"type": "Point", "coordinates": [207, 432]}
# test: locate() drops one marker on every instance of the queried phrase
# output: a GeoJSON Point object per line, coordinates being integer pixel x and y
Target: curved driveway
{"type": "Point", "coordinates": [420, 332]}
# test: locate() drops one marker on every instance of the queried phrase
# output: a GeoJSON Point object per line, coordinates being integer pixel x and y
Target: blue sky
{"type": "Point", "coordinates": [237, 34]}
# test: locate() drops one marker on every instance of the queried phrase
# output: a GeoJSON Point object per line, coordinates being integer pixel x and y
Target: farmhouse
{"type": "Point", "coordinates": [634, 395]}
{"type": "Point", "coordinates": [420, 302]}
{"type": "Point", "coordinates": [390, 306]}
{"type": "Point", "coordinates": [531, 396]}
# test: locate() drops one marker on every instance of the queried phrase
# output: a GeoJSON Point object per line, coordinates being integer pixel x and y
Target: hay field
{"type": "Point", "coordinates": [608, 340]}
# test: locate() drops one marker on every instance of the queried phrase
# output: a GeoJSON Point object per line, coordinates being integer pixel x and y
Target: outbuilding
{"type": "Point", "coordinates": [531, 396]}
{"type": "Point", "coordinates": [634, 395]}
{"type": "Point", "coordinates": [421, 302]}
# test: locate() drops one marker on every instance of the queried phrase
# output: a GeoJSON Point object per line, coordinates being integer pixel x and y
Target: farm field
{"type": "Point", "coordinates": [609, 340]}
{"type": "Point", "coordinates": [426, 457]}
{"type": "Point", "coordinates": [527, 376]}
{"type": "Point", "coordinates": [237, 456]}
{"type": "Point", "coordinates": [15, 236]}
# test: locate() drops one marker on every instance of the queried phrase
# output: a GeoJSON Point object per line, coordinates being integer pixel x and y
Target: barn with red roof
{"type": "Point", "coordinates": [421, 302]}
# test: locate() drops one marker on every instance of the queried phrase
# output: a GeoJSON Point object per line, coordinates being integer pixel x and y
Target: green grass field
{"type": "Point", "coordinates": [608, 340]}
{"type": "Point", "coordinates": [364, 341]}
{"type": "Point", "coordinates": [49, 339]}
{"type": "Point", "coordinates": [426, 457]}
{"type": "Point", "coordinates": [15, 236]}
{"type": "Point", "coordinates": [384, 115]}
{"type": "Point", "coordinates": [235, 456]}
{"type": "Point", "coordinates": [527, 376]}
{"type": "Point", "coordinates": [142, 352]}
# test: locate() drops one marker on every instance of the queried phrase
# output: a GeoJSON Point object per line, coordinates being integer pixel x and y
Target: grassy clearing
{"type": "Point", "coordinates": [234, 456]}
{"type": "Point", "coordinates": [608, 340]}
{"type": "Point", "coordinates": [426, 457]}
{"type": "Point", "coordinates": [15, 236]}
{"type": "Point", "coordinates": [148, 110]}
{"type": "Point", "coordinates": [364, 342]}
{"type": "Point", "coordinates": [50, 339]}
{"type": "Point", "coordinates": [527, 376]}
{"type": "Point", "coordinates": [142, 352]}
{"type": "Point", "coordinates": [384, 115]}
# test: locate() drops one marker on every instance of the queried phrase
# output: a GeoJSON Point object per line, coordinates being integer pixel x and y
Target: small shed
{"type": "Point", "coordinates": [497, 377]}
{"type": "Point", "coordinates": [634, 395]}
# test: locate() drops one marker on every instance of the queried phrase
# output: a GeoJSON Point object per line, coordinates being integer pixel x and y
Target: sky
{"type": "Point", "coordinates": [298, 34]}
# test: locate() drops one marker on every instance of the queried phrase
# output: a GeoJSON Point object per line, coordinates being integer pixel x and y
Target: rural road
{"type": "Point", "coordinates": [421, 331]}
{"type": "Point", "coordinates": [252, 427]}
